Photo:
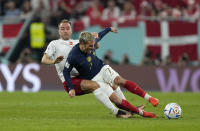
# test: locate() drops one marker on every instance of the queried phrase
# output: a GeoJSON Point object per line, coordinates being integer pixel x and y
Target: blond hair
{"type": "Point", "coordinates": [64, 21]}
{"type": "Point", "coordinates": [85, 37]}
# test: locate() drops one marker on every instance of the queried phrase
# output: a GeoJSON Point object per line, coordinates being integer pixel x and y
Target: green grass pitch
{"type": "Point", "coordinates": [55, 111]}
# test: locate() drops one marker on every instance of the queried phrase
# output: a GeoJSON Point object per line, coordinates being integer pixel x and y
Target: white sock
{"type": "Point", "coordinates": [147, 96]}
{"type": "Point", "coordinates": [104, 99]}
{"type": "Point", "coordinates": [120, 93]}
{"type": "Point", "coordinates": [140, 112]}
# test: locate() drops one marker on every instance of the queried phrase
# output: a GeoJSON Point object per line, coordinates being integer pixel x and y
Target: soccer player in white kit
{"type": "Point", "coordinates": [57, 52]}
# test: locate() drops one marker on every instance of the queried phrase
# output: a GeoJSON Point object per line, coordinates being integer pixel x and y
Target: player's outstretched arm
{"type": "Point", "coordinates": [113, 29]}
{"type": "Point", "coordinates": [46, 59]}
{"type": "Point", "coordinates": [103, 33]}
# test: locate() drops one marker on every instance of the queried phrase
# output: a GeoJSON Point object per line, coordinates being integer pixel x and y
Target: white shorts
{"type": "Point", "coordinates": [105, 88]}
{"type": "Point", "coordinates": [107, 75]}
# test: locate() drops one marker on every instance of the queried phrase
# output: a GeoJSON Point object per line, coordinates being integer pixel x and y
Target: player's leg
{"type": "Point", "coordinates": [77, 86]}
{"type": "Point", "coordinates": [92, 86]}
{"type": "Point", "coordinates": [89, 86]}
{"type": "Point", "coordinates": [100, 77]}
{"type": "Point", "coordinates": [119, 92]}
{"type": "Point", "coordinates": [103, 97]}
{"type": "Point", "coordinates": [125, 105]}
{"type": "Point", "coordinates": [86, 86]}
{"type": "Point", "coordinates": [112, 77]}
{"type": "Point", "coordinates": [135, 89]}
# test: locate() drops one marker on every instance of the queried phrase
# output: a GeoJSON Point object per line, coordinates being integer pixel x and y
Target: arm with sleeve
{"type": "Point", "coordinates": [66, 72]}
{"type": "Point", "coordinates": [102, 34]}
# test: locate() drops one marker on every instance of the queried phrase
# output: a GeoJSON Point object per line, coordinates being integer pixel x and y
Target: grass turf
{"type": "Point", "coordinates": [55, 111]}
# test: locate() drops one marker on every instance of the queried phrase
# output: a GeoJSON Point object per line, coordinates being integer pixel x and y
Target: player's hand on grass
{"type": "Point", "coordinates": [58, 59]}
{"type": "Point", "coordinates": [72, 93]}
{"type": "Point", "coordinates": [113, 29]}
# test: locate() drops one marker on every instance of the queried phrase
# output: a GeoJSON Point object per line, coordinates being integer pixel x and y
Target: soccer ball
{"type": "Point", "coordinates": [172, 111]}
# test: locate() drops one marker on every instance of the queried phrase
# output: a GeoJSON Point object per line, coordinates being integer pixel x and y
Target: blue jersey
{"type": "Point", "coordinates": [87, 64]}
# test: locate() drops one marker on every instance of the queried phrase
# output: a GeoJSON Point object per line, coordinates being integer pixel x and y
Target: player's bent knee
{"type": "Point", "coordinates": [89, 85]}
{"type": "Point", "coordinates": [106, 88]}
{"type": "Point", "coordinates": [119, 81]}
{"type": "Point", "coordinates": [114, 87]}
{"type": "Point", "coordinates": [115, 99]}
{"type": "Point", "coordinates": [95, 86]}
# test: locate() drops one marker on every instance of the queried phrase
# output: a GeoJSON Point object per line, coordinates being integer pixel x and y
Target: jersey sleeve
{"type": "Point", "coordinates": [102, 34]}
{"type": "Point", "coordinates": [66, 73]}
{"type": "Point", "coordinates": [51, 50]}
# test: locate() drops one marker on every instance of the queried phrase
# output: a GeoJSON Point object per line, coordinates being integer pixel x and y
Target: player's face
{"type": "Point", "coordinates": [89, 46]}
{"type": "Point", "coordinates": [65, 31]}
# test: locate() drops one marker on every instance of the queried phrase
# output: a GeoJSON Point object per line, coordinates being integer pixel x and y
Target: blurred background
{"type": "Point", "coordinates": [158, 44]}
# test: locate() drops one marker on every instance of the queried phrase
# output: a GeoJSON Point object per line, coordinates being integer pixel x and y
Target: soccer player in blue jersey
{"type": "Point", "coordinates": [57, 53]}
{"type": "Point", "coordinates": [83, 58]}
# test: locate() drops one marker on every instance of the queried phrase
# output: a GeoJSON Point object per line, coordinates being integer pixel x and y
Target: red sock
{"type": "Point", "coordinates": [122, 107]}
{"type": "Point", "coordinates": [134, 88]}
{"type": "Point", "coordinates": [125, 105]}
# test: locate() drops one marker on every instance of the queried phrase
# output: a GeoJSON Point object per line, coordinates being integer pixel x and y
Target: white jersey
{"type": "Point", "coordinates": [58, 48]}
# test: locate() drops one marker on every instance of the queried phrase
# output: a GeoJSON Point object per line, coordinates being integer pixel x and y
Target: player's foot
{"type": "Point", "coordinates": [149, 114]}
{"type": "Point", "coordinates": [122, 114]}
{"type": "Point", "coordinates": [141, 107]}
{"type": "Point", "coordinates": [154, 101]}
